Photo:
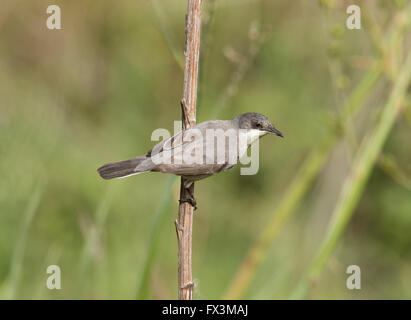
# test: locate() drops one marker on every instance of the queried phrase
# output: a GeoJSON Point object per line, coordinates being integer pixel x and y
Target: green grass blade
{"type": "Point", "coordinates": [168, 35]}
{"type": "Point", "coordinates": [355, 182]}
{"type": "Point", "coordinates": [16, 266]}
{"type": "Point", "coordinates": [153, 244]}
{"type": "Point", "coordinates": [92, 236]}
{"type": "Point", "coordinates": [296, 191]}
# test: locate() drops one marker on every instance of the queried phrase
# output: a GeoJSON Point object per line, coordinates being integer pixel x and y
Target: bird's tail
{"type": "Point", "coordinates": [125, 168]}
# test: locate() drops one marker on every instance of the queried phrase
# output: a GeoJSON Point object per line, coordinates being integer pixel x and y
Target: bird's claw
{"type": "Point", "coordinates": [190, 200]}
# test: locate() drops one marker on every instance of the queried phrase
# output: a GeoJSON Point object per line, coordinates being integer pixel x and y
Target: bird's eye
{"type": "Point", "coordinates": [259, 125]}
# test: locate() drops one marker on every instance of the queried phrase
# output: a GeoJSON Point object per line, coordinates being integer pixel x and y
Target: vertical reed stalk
{"type": "Point", "coordinates": [184, 223]}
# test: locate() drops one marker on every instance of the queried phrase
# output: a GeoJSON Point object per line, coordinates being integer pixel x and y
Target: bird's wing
{"type": "Point", "coordinates": [179, 139]}
{"type": "Point", "coordinates": [171, 143]}
{"type": "Point", "coordinates": [191, 153]}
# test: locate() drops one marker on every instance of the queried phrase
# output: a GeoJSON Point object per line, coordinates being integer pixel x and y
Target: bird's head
{"type": "Point", "coordinates": [256, 121]}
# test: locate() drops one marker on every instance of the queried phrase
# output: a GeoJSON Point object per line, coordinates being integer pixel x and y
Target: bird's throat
{"type": "Point", "coordinates": [253, 135]}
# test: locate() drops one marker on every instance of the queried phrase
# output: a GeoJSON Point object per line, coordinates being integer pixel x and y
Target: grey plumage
{"type": "Point", "coordinates": [177, 145]}
{"type": "Point", "coordinates": [125, 168]}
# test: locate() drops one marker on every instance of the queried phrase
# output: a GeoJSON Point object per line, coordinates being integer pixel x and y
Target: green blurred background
{"type": "Point", "coordinates": [92, 93]}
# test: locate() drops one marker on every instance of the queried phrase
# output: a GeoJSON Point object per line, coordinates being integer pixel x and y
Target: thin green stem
{"type": "Point", "coordinates": [168, 35]}
{"type": "Point", "coordinates": [296, 191]}
{"type": "Point", "coordinates": [93, 234]}
{"type": "Point", "coordinates": [153, 244]}
{"type": "Point", "coordinates": [16, 265]}
{"type": "Point", "coordinates": [356, 180]}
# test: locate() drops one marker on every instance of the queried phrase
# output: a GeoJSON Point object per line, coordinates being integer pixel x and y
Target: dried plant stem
{"type": "Point", "coordinates": [184, 223]}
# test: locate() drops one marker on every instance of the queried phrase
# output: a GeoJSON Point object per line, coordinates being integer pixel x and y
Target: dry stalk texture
{"type": "Point", "coordinates": [184, 223]}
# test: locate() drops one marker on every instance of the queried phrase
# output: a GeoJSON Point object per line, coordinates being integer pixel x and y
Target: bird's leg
{"type": "Point", "coordinates": [191, 200]}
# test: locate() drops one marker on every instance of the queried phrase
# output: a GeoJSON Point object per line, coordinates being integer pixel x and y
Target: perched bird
{"type": "Point", "coordinates": [174, 155]}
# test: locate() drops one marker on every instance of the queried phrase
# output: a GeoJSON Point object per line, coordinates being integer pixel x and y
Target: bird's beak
{"type": "Point", "coordinates": [276, 132]}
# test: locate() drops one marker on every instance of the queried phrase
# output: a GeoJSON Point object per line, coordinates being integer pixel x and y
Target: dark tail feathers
{"type": "Point", "coordinates": [123, 168]}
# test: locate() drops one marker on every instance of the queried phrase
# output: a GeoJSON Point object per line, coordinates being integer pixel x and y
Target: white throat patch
{"type": "Point", "coordinates": [254, 134]}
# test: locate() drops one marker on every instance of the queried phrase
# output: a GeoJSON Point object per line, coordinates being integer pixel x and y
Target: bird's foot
{"type": "Point", "coordinates": [188, 186]}
{"type": "Point", "coordinates": [190, 200]}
